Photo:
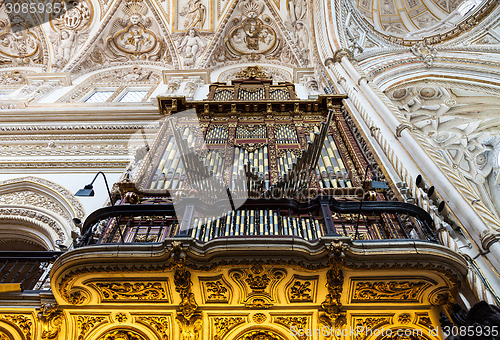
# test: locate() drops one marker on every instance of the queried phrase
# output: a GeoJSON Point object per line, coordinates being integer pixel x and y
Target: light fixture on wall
{"type": "Point", "coordinates": [88, 190]}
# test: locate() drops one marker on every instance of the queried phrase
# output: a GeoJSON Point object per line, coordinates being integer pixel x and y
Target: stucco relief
{"type": "Point", "coordinates": [19, 45]}
{"type": "Point", "coordinates": [70, 31]}
{"type": "Point", "coordinates": [452, 121]}
{"type": "Point", "coordinates": [135, 33]}
{"type": "Point", "coordinates": [251, 35]}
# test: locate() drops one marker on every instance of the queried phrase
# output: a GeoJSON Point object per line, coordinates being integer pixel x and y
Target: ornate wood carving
{"type": "Point", "coordinates": [160, 324]}
{"type": "Point", "coordinates": [23, 323]}
{"type": "Point", "coordinates": [298, 323]}
{"type": "Point", "coordinates": [51, 319]}
{"type": "Point", "coordinates": [118, 291]}
{"type": "Point", "coordinates": [396, 291]}
{"type": "Point", "coordinates": [86, 323]}
{"type": "Point", "coordinates": [258, 285]}
{"type": "Point", "coordinates": [122, 335]}
{"type": "Point", "coordinates": [215, 289]}
{"type": "Point", "coordinates": [222, 325]}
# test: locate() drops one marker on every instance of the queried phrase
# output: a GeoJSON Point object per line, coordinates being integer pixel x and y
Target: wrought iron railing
{"type": "Point", "coordinates": [29, 269]}
{"type": "Point", "coordinates": [150, 223]}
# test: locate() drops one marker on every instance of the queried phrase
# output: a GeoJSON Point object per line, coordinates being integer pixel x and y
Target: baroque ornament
{"type": "Point", "coordinates": [19, 44]}
{"type": "Point", "coordinates": [223, 325]}
{"type": "Point", "coordinates": [21, 322]}
{"type": "Point", "coordinates": [51, 319]}
{"type": "Point", "coordinates": [159, 323]}
{"type": "Point", "coordinates": [71, 30]}
{"type": "Point", "coordinates": [397, 291]}
{"type": "Point", "coordinates": [132, 291]}
{"type": "Point", "coordinates": [87, 323]}
{"type": "Point", "coordinates": [122, 335]}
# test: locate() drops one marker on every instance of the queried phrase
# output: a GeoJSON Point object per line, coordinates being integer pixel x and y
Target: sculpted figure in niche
{"type": "Point", "coordinates": [195, 13]}
{"type": "Point", "coordinates": [191, 46]}
{"type": "Point", "coordinates": [252, 29]}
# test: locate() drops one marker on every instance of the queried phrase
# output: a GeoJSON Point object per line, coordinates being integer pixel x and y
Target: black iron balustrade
{"type": "Point", "coordinates": [29, 269]}
{"type": "Point", "coordinates": [149, 223]}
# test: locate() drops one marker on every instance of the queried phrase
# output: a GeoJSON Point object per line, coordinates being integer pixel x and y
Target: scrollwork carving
{"type": "Point", "coordinates": [86, 323]}
{"type": "Point", "coordinates": [122, 335]}
{"type": "Point", "coordinates": [160, 324]}
{"type": "Point", "coordinates": [222, 325]}
{"type": "Point", "coordinates": [397, 291]}
{"type": "Point", "coordinates": [22, 322]}
{"type": "Point", "coordinates": [131, 290]}
{"type": "Point", "coordinates": [51, 319]}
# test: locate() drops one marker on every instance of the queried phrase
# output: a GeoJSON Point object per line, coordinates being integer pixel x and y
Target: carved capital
{"type": "Point", "coordinates": [343, 52]}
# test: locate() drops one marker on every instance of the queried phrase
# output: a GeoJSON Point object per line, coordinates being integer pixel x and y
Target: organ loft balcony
{"type": "Point", "coordinates": [263, 212]}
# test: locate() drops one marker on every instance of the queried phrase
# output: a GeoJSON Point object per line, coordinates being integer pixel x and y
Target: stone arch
{"type": "Point", "coordinates": [37, 213]}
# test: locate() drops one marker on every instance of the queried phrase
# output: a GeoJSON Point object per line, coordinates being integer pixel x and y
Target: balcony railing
{"type": "Point", "coordinates": [28, 269]}
{"type": "Point", "coordinates": [149, 223]}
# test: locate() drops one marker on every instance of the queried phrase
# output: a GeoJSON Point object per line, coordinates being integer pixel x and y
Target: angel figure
{"type": "Point", "coordinates": [195, 13]}
{"type": "Point", "coordinates": [190, 46]}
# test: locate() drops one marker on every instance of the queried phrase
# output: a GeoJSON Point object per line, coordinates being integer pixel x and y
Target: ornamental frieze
{"type": "Point", "coordinates": [132, 291]}
{"type": "Point", "coordinates": [394, 291]}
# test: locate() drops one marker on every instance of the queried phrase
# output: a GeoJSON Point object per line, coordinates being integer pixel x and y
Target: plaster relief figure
{"type": "Point", "coordinates": [191, 46]}
{"type": "Point", "coordinates": [71, 31]}
{"type": "Point", "coordinates": [195, 14]}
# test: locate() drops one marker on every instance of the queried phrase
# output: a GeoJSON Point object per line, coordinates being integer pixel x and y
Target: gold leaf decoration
{"type": "Point", "coordinates": [5, 336]}
{"type": "Point", "coordinates": [298, 323]}
{"type": "Point", "coordinates": [259, 317]}
{"type": "Point", "coordinates": [122, 335]}
{"type": "Point", "coordinates": [23, 323]}
{"type": "Point", "coordinates": [216, 291]}
{"type": "Point", "coordinates": [300, 291]}
{"type": "Point", "coordinates": [397, 291]}
{"type": "Point", "coordinates": [223, 325]}
{"type": "Point", "coordinates": [159, 323]}
{"type": "Point", "coordinates": [132, 290]}
{"type": "Point", "coordinates": [87, 323]}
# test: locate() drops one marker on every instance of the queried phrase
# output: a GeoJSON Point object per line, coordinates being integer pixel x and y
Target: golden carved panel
{"type": "Point", "coordinates": [132, 291]}
{"type": "Point", "coordinates": [160, 324]}
{"type": "Point", "coordinates": [302, 288]}
{"type": "Point", "coordinates": [364, 323]}
{"type": "Point", "coordinates": [215, 289]}
{"type": "Point", "coordinates": [221, 325]}
{"type": "Point", "coordinates": [22, 323]}
{"type": "Point", "coordinates": [87, 323]}
{"type": "Point", "coordinates": [258, 285]}
{"type": "Point", "coordinates": [120, 334]}
{"type": "Point", "coordinates": [403, 291]}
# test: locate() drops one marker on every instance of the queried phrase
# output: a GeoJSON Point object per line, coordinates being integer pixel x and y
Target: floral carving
{"type": "Point", "coordinates": [216, 291]}
{"type": "Point", "coordinates": [260, 335]}
{"type": "Point", "coordinates": [372, 323]}
{"type": "Point", "coordinates": [132, 291]}
{"type": "Point", "coordinates": [122, 335]}
{"type": "Point", "coordinates": [23, 323]}
{"type": "Point", "coordinates": [299, 323]}
{"type": "Point", "coordinates": [87, 323]}
{"type": "Point", "coordinates": [403, 291]}
{"type": "Point", "coordinates": [19, 43]}
{"type": "Point", "coordinates": [300, 291]}
{"type": "Point", "coordinates": [259, 317]}
{"type": "Point", "coordinates": [223, 325]}
{"type": "Point", "coordinates": [158, 323]}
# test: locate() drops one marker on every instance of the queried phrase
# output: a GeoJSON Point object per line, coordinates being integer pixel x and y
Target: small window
{"type": "Point", "coordinates": [133, 96]}
{"type": "Point", "coordinates": [99, 96]}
